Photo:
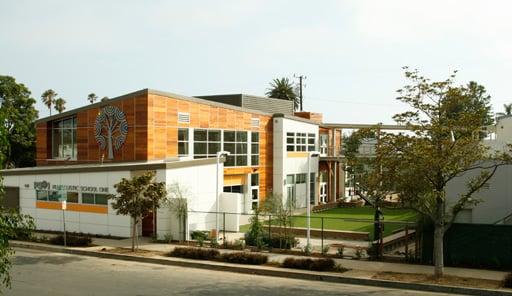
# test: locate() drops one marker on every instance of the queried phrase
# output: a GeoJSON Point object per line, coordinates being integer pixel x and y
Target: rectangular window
{"type": "Point", "coordinates": [323, 144]}
{"type": "Point", "coordinates": [236, 143]}
{"type": "Point", "coordinates": [255, 179]}
{"type": "Point", "coordinates": [53, 196]}
{"type": "Point", "coordinates": [300, 178]}
{"type": "Point", "coordinates": [255, 148]}
{"type": "Point", "coordinates": [64, 143]}
{"type": "Point", "coordinates": [95, 199]}
{"type": "Point", "coordinates": [206, 143]}
{"type": "Point", "coordinates": [290, 179]}
{"type": "Point", "coordinates": [72, 197]}
{"type": "Point", "coordinates": [234, 189]}
{"type": "Point", "coordinates": [312, 190]}
{"type": "Point", "coordinates": [300, 142]}
{"type": "Point", "coordinates": [290, 141]}
{"type": "Point", "coordinates": [311, 142]}
{"type": "Point", "coordinates": [183, 145]}
{"type": "Point", "coordinates": [42, 194]}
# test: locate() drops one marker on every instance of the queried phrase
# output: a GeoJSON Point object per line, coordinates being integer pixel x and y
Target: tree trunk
{"type": "Point", "coordinates": [438, 240]}
{"type": "Point", "coordinates": [438, 251]}
{"type": "Point", "coordinates": [134, 226]}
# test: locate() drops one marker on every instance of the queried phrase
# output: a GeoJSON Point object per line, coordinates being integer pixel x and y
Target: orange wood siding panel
{"type": "Point", "coordinates": [230, 180]}
{"type": "Point", "coordinates": [55, 205]}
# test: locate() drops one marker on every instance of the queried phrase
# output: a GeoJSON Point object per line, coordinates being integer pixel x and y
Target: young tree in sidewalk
{"type": "Point", "coordinates": [444, 142]}
{"type": "Point", "coordinates": [177, 202]}
{"type": "Point", "coordinates": [137, 197]}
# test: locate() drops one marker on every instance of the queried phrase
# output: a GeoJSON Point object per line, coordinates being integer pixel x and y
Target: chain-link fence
{"type": "Point", "coordinates": [329, 235]}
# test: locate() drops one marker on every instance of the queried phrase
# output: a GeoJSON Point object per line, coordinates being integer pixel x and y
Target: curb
{"type": "Point", "coordinates": [267, 271]}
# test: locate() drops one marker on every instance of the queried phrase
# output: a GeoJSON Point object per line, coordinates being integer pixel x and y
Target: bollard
{"type": "Point", "coordinates": [224, 228]}
{"type": "Point", "coordinates": [322, 234]}
{"type": "Point", "coordinates": [406, 241]}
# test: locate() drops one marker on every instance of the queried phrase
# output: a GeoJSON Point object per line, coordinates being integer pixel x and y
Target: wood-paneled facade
{"type": "Point", "coordinates": [152, 118]}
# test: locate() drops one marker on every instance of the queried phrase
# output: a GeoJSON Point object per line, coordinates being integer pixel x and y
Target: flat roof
{"type": "Point", "coordinates": [365, 125]}
{"type": "Point", "coordinates": [148, 91]}
{"type": "Point", "coordinates": [109, 167]}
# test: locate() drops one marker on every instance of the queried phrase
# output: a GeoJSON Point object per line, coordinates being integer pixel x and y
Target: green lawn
{"type": "Point", "coordinates": [332, 221]}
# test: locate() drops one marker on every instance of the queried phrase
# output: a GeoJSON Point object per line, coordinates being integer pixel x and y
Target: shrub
{"type": "Point", "coordinates": [507, 281]}
{"type": "Point", "coordinates": [339, 251]}
{"type": "Point", "coordinates": [325, 249]}
{"type": "Point", "coordinates": [199, 235]}
{"type": "Point", "coordinates": [244, 258]}
{"type": "Point", "coordinates": [71, 240]}
{"type": "Point", "coordinates": [280, 241]}
{"type": "Point", "coordinates": [323, 264]}
{"type": "Point", "coordinates": [195, 253]}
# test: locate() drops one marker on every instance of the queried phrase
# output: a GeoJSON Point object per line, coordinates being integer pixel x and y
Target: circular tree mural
{"type": "Point", "coordinates": [111, 129]}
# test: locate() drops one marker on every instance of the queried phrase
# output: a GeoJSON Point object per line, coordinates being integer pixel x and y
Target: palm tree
{"type": "Point", "coordinates": [48, 98]}
{"type": "Point", "coordinates": [92, 97]}
{"type": "Point", "coordinates": [283, 89]}
{"type": "Point", "coordinates": [60, 105]}
{"type": "Point", "coordinates": [508, 108]}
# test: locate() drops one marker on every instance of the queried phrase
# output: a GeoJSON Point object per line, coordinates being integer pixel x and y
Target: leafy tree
{"type": "Point", "coordinates": [48, 97]}
{"type": "Point", "coordinates": [508, 109]}
{"type": "Point", "coordinates": [12, 224]}
{"type": "Point", "coordinates": [137, 197]}
{"type": "Point", "coordinates": [60, 105]}
{"type": "Point", "coordinates": [442, 145]}
{"type": "Point", "coordinates": [283, 89]}
{"type": "Point", "coordinates": [92, 97]}
{"type": "Point", "coordinates": [104, 99]}
{"type": "Point", "coordinates": [18, 116]}
{"type": "Point", "coordinates": [282, 214]}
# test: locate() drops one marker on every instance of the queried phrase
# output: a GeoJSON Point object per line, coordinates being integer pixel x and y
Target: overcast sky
{"type": "Point", "coordinates": [352, 52]}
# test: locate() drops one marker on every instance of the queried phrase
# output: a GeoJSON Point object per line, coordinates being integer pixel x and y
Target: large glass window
{"type": "Point", "coordinates": [183, 145]}
{"type": "Point", "coordinates": [236, 143]}
{"type": "Point", "coordinates": [300, 178]}
{"type": "Point", "coordinates": [206, 143]}
{"type": "Point", "coordinates": [95, 198]}
{"type": "Point", "coordinates": [255, 148]}
{"type": "Point", "coordinates": [64, 143]}
{"type": "Point", "coordinates": [300, 142]}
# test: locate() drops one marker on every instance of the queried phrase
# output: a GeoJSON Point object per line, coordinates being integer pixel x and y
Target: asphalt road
{"type": "Point", "coordinates": [42, 273]}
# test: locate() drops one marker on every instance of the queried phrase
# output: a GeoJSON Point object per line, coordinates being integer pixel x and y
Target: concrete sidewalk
{"type": "Point", "coordinates": [359, 268]}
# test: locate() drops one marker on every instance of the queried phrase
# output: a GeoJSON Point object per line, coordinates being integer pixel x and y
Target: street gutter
{"type": "Point", "coordinates": [265, 271]}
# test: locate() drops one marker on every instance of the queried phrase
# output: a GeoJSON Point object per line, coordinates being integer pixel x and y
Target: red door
{"type": "Point", "coordinates": [147, 225]}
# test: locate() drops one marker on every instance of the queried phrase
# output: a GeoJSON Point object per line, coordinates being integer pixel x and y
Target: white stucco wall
{"type": "Point", "coordinates": [496, 200]}
{"type": "Point", "coordinates": [46, 219]}
{"type": "Point", "coordinates": [198, 183]}
{"type": "Point", "coordinates": [284, 165]}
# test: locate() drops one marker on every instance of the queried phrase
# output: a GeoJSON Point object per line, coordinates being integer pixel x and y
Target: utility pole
{"type": "Point", "coordinates": [301, 77]}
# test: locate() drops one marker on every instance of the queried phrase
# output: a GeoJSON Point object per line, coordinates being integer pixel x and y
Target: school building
{"type": "Point", "coordinates": [83, 152]}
